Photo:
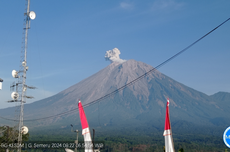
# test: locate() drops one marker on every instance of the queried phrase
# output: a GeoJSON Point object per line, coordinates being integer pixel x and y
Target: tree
{"type": "Point", "coordinates": [9, 135]}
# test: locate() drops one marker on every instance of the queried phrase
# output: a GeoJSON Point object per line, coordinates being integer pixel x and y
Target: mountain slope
{"type": "Point", "coordinates": [141, 105]}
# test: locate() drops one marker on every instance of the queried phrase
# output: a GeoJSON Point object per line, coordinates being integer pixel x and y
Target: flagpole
{"type": "Point", "coordinates": [169, 145]}
{"type": "Point", "coordinates": [85, 128]}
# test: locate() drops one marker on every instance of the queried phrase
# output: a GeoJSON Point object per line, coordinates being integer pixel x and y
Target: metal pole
{"type": "Point", "coordinates": [76, 141]}
{"type": "Point", "coordinates": [8, 132]}
{"type": "Point", "coordinates": [1, 83]}
{"type": "Point", "coordinates": [24, 64]}
{"type": "Point", "coordinates": [93, 138]}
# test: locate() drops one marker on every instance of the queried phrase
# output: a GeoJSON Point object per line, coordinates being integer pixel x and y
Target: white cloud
{"type": "Point", "coordinates": [44, 76]}
{"type": "Point", "coordinates": [113, 56]}
{"type": "Point", "coordinates": [166, 5]}
{"type": "Point", "coordinates": [48, 74]}
{"type": "Point", "coordinates": [126, 5]}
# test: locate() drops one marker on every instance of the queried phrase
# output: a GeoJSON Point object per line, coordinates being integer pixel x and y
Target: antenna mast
{"type": "Point", "coordinates": [21, 87]}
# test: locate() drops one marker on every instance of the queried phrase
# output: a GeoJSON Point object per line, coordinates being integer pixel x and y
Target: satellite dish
{"type": "Point", "coordinates": [24, 63]}
{"type": "Point", "coordinates": [15, 74]}
{"type": "Point", "coordinates": [24, 88]}
{"type": "Point", "coordinates": [14, 95]}
{"type": "Point", "coordinates": [32, 15]}
{"type": "Point", "coordinates": [24, 130]}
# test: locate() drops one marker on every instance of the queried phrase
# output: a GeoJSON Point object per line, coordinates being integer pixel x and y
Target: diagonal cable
{"type": "Point", "coordinates": [128, 84]}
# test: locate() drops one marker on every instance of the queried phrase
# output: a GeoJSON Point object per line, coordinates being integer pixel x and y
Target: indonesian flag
{"type": "Point", "coordinates": [169, 146]}
{"type": "Point", "coordinates": [85, 129]}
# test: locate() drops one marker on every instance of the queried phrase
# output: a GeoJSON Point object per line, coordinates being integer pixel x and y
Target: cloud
{"type": "Point", "coordinates": [44, 76]}
{"type": "Point", "coordinates": [113, 56]}
{"type": "Point", "coordinates": [126, 5]}
{"type": "Point", "coordinates": [166, 5]}
{"type": "Point", "coordinates": [48, 74]}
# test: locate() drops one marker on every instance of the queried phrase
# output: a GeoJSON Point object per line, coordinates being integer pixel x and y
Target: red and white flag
{"type": "Point", "coordinates": [169, 146]}
{"type": "Point", "coordinates": [85, 129]}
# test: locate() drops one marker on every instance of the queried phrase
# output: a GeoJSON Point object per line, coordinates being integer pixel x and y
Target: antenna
{"type": "Point", "coordinates": [1, 83]}
{"type": "Point", "coordinates": [93, 138]}
{"type": "Point", "coordinates": [76, 141]}
{"type": "Point", "coordinates": [21, 87]}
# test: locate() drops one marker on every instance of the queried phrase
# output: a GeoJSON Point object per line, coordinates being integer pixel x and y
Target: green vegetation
{"type": "Point", "coordinates": [145, 143]}
{"type": "Point", "coordinates": [9, 136]}
{"type": "Point", "coordinates": [125, 141]}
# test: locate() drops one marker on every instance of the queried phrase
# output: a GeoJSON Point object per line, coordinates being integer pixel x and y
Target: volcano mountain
{"type": "Point", "coordinates": [138, 106]}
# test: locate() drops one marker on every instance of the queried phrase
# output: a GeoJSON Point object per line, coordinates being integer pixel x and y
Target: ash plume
{"type": "Point", "coordinates": [113, 56]}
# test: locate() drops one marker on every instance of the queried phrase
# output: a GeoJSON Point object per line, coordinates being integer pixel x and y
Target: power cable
{"type": "Point", "coordinates": [128, 84]}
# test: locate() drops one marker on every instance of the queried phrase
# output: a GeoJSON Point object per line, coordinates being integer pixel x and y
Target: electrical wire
{"type": "Point", "coordinates": [128, 84]}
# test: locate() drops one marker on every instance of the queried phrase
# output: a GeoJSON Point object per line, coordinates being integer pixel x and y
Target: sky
{"type": "Point", "coordinates": [68, 40]}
